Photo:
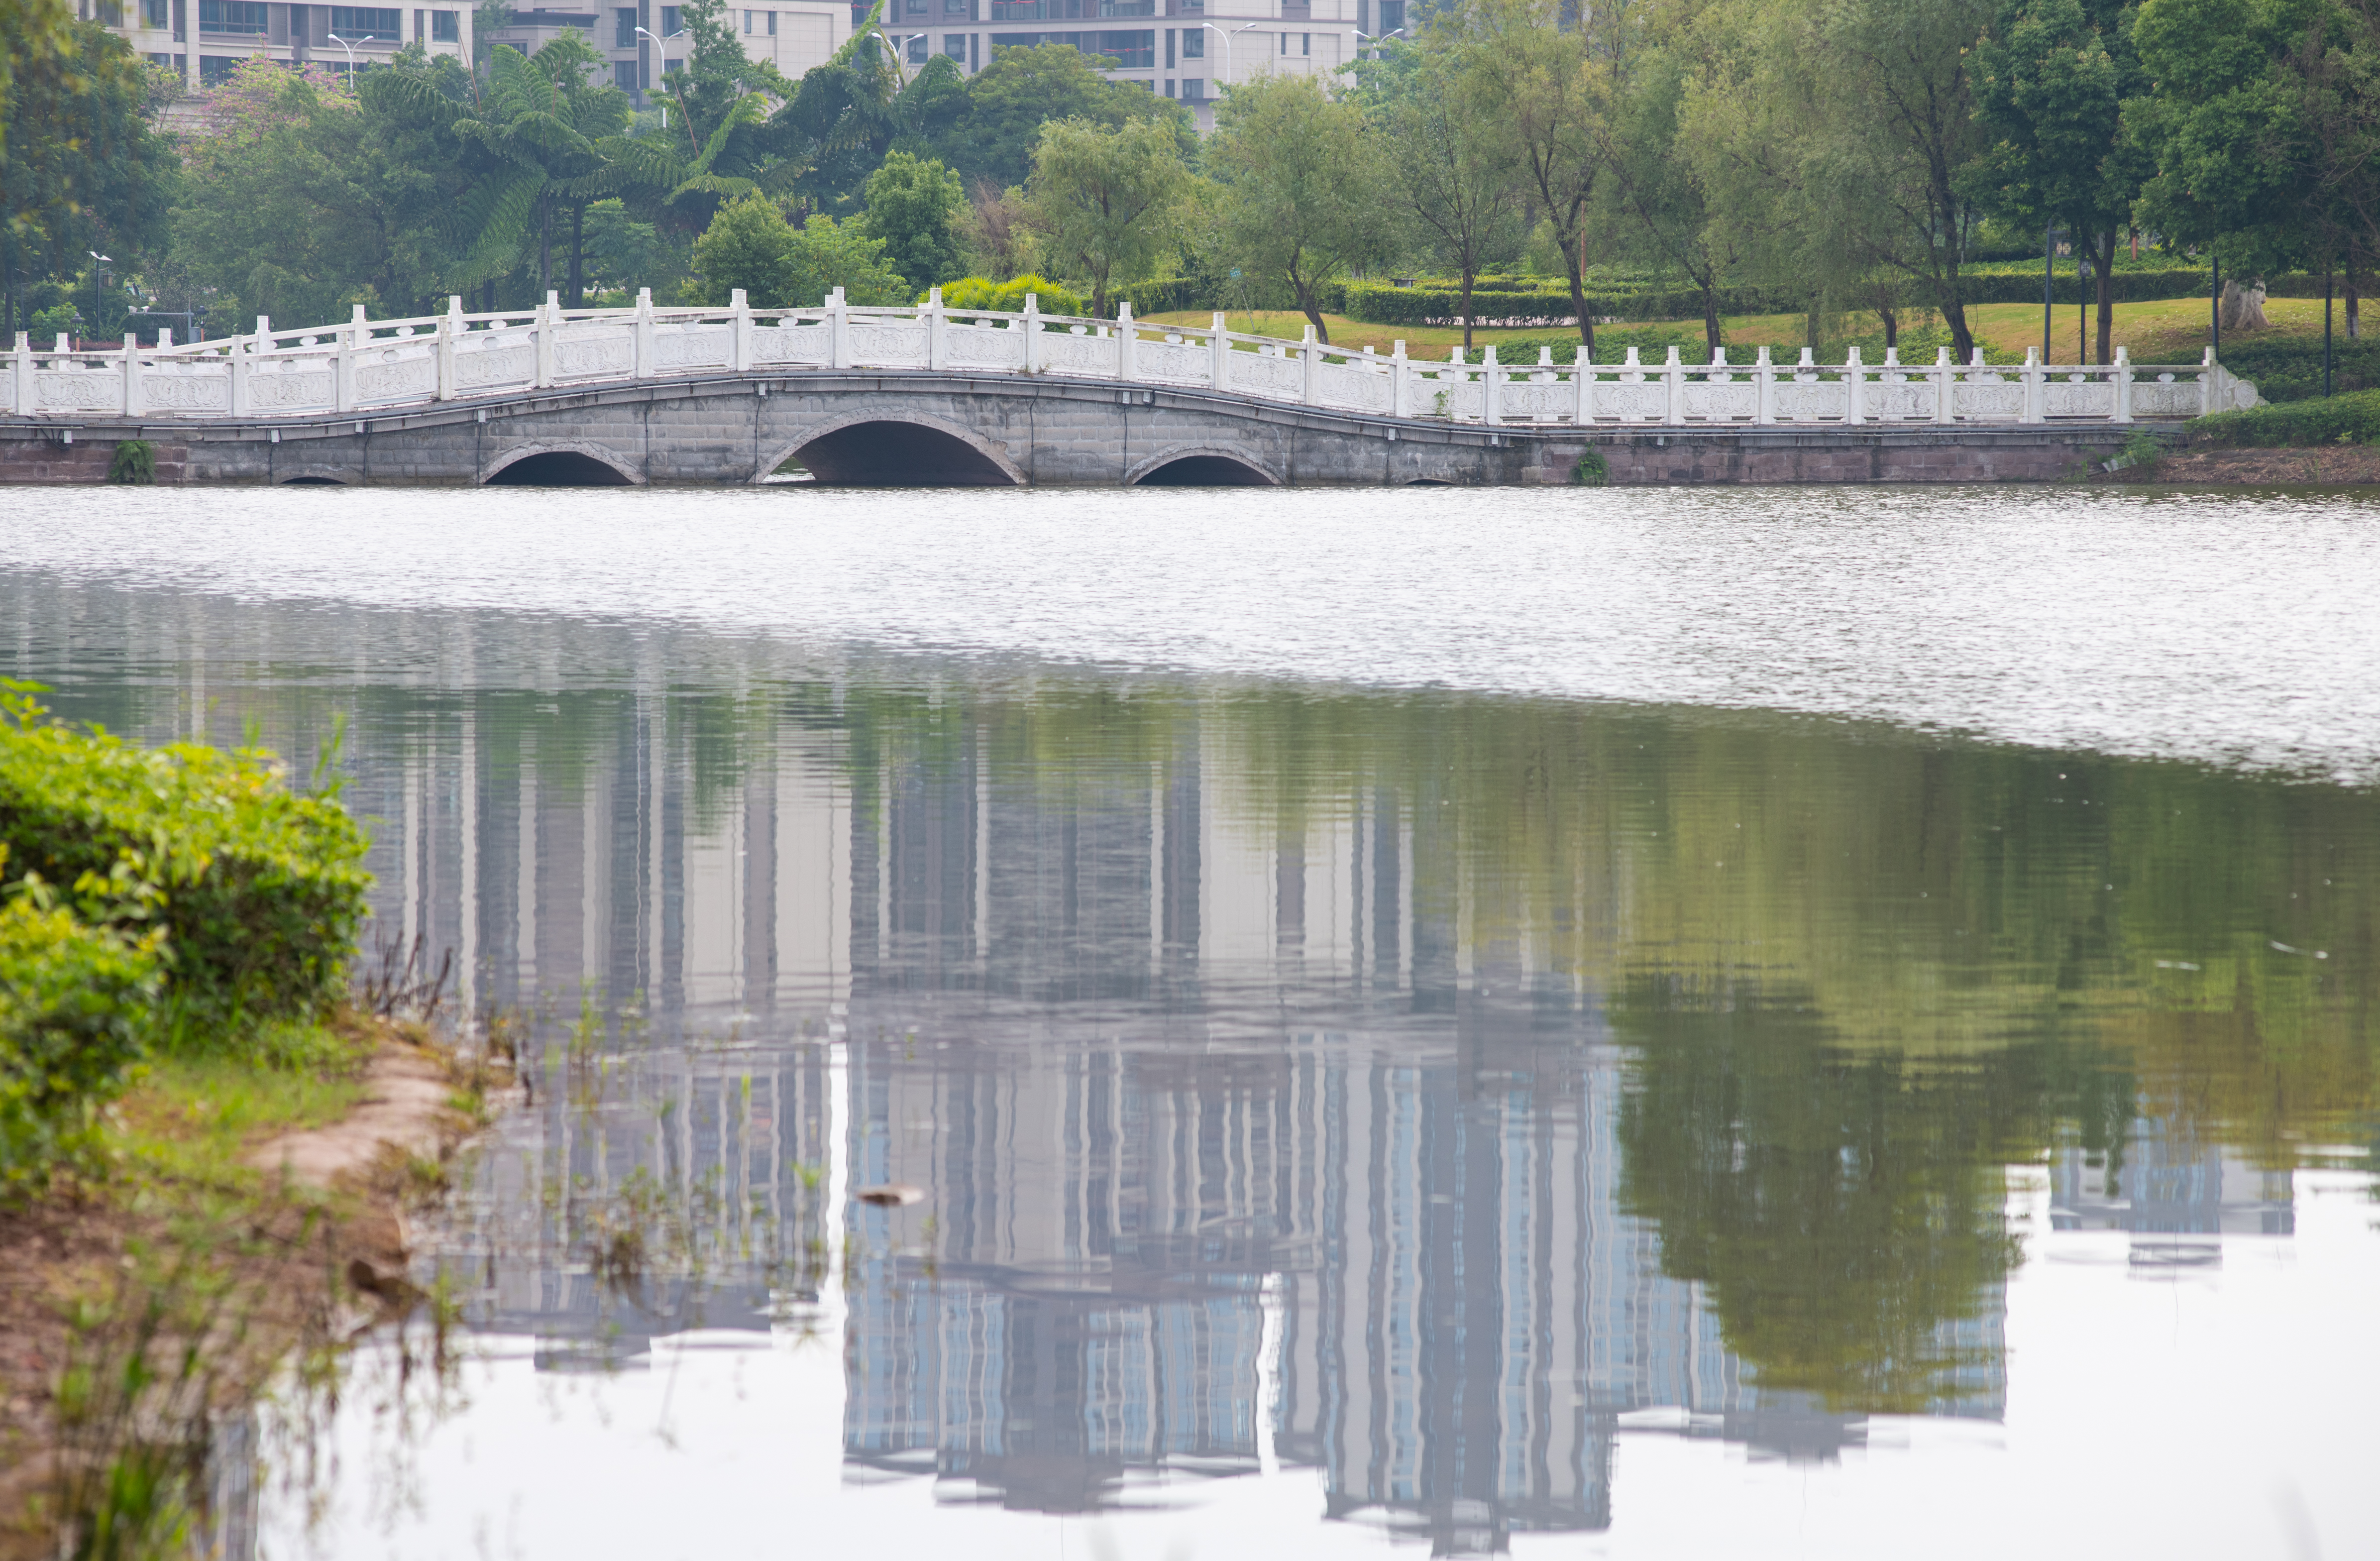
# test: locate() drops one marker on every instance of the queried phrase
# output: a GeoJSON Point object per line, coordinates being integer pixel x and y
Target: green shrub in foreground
{"type": "Point", "coordinates": [2350, 420]}
{"type": "Point", "coordinates": [1008, 297]}
{"type": "Point", "coordinates": [76, 1008]}
{"type": "Point", "coordinates": [258, 893]}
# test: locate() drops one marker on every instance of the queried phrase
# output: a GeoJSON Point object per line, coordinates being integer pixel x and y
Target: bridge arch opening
{"type": "Point", "coordinates": [311, 482]}
{"type": "Point", "coordinates": [559, 469]}
{"type": "Point", "coordinates": [1204, 468]}
{"type": "Point", "coordinates": [887, 452]}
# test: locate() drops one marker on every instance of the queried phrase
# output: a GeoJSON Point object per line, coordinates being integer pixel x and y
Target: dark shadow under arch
{"type": "Point", "coordinates": [311, 483]}
{"type": "Point", "coordinates": [890, 453]}
{"type": "Point", "coordinates": [559, 469]}
{"type": "Point", "coordinates": [1205, 471]}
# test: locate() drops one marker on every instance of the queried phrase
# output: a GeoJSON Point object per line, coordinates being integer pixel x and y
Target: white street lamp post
{"type": "Point", "coordinates": [896, 43]}
{"type": "Point", "coordinates": [1227, 37]}
{"type": "Point", "coordinates": [661, 47]}
{"type": "Point", "coordinates": [1363, 38]}
{"type": "Point", "coordinates": [351, 50]}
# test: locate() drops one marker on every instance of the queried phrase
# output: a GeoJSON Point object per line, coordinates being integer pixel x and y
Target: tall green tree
{"type": "Point", "coordinates": [84, 167]}
{"type": "Point", "coordinates": [1304, 190]}
{"type": "Point", "coordinates": [1023, 89]}
{"type": "Point", "coordinates": [751, 245]}
{"type": "Point", "coordinates": [1460, 170]}
{"type": "Point", "coordinates": [1112, 199]}
{"type": "Point", "coordinates": [913, 206]}
{"type": "Point", "coordinates": [2050, 82]}
{"type": "Point", "coordinates": [1549, 63]}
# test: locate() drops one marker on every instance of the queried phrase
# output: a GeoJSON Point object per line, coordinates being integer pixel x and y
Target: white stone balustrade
{"type": "Point", "coordinates": [368, 366]}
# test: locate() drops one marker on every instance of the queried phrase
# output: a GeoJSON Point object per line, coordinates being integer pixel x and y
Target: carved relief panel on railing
{"type": "Point", "coordinates": [1359, 389]}
{"type": "Point", "coordinates": [1895, 398]}
{"type": "Point", "coordinates": [187, 388]}
{"type": "Point", "coordinates": [1262, 374]}
{"type": "Point", "coordinates": [291, 389]}
{"type": "Point", "coordinates": [2165, 397]}
{"type": "Point", "coordinates": [586, 353]}
{"type": "Point", "coordinates": [692, 347]}
{"type": "Point", "coordinates": [1720, 398]}
{"type": "Point", "coordinates": [1810, 399]}
{"type": "Point", "coordinates": [2075, 397]}
{"type": "Point", "coordinates": [788, 343]}
{"type": "Point", "coordinates": [396, 374]}
{"type": "Point", "coordinates": [498, 364]}
{"type": "Point", "coordinates": [889, 345]}
{"type": "Point", "coordinates": [1540, 398]}
{"type": "Point", "coordinates": [1982, 398]}
{"type": "Point", "coordinates": [1065, 353]}
{"type": "Point", "coordinates": [1633, 400]}
{"type": "Point", "coordinates": [1451, 394]}
{"type": "Point", "coordinates": [78, 390]}
{"type": "Point", "coordinates": [1176, 362]}
{"type": "Point", "coordinates": [983, 347]}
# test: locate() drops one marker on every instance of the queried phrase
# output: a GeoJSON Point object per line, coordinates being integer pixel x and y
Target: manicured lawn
{"type": "Point", "coordinates": [2165, 330]}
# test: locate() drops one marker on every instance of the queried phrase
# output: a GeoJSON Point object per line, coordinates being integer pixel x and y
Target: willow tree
{"type": "Point", "coordinates": [1112, 199]}
{"type": "Point", "coordinates": [1303, 191]}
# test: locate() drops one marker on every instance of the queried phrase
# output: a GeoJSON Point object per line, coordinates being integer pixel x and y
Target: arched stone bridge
{"type": "Point", "coordinates": [934, 397]}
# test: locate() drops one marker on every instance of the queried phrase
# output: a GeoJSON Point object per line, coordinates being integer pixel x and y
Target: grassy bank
{"type": "Point", "coordinates": [205, 1136]}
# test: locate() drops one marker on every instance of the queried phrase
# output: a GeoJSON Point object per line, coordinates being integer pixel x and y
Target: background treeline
{"type": "Point", "coordinates": [1509, 162]}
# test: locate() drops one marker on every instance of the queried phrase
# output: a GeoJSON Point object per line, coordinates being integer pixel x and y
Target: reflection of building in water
{"type": "Point", "coordinates": [2177, 1198]}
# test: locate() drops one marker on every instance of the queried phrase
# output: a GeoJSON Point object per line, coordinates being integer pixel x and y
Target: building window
{"type": "Point", "coordinates": [917, 49]}
{"type": "Point", "coordinates": [669, 20]}
{"type": "Point", "coordinates": [772, 22]}
{"type": "Point", "coordinates": [231, 16]}
{"type": "Point", "coordinates": [623, 74]}
{"type": "Point", "coordinates": [1127, 7]}
{"type": "Point", "coordinates": [1392, 17]}
{"type": "Point", "coordinates": [959, 10]}
{"type": "Point", "coordinates": [215, 68]}
{"type": "Point", "coordinates": [156, 13]}
{"type": "Point", "coordinates": [446, 27]}
{"type": "Point", "coordinates": [355, 22]}
{"type": "Point", "coordinates": [624, 27]}
{"type": "Point", "coordinates": [1169, 86]}
{"type": "Point", "coordinates": [748, 19]}
{"type": "Point", "coordinates": [955, 48]}
{"type": "Point", "coordinates": [1305, 42]}
{"type": "Point", "coordinates": [1169, 56]}
{"type": "Point", "coordinates": [1194, 90]}
{"type": "Point", "coordinates": [1194, 42]}
{"type": "Point", "coordinates": [108, 13]}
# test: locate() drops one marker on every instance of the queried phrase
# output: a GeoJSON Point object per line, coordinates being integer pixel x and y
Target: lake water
{"type": "Point", "coordinates": [1692, 1023]}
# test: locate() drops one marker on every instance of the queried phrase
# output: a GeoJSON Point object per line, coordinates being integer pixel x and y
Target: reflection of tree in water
{"type": "Point", "coordinates": [1843, 1211]}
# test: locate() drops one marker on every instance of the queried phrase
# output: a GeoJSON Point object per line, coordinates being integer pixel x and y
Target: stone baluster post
{"type": "Point", "coordinates": [1582, 384]}
{"type": "Point", "coordinates": [131, 376]}
{"type": "Point", "coordinates": [1763, 379]}
{"type": "Point", "coordinates": [1400, 382]}
{"type": "Point", "coordinates": [1309, 359]}
{"type": "Point", "coordinates": [1673, 381]}
{"type": "Point", "coordinates": [644, 336]}
{"type": "Point", "coordinates": [937, 352]}
{"type": "Point", "coordinates": [1126, 338]}
{"type": "Point", "coordinates": [2211, 398]}
{"type": "Point", "coordinates": [1945, 374]}
{"type": "Point", "coordinates": [1033, 333]}
{"type": "Point", "coordinates": [838, 320]}
{"type": "Point", "coordinates": [1219, 369]}
{"type": "Point", "coordinates": [543, 329]}
{"type": "Point", "coordinates": [1491, 405]}
{"type": "Point", "coordinates": [20, 377]}
{"type": "Point", "coordinates": [2032, 377]}
{"type": "Point", "coordinates": [450, 331]}
{"type": "Point", "coordinates": [1856, 378]}
{"type": "Point", "coordinates": [2123, 377]}
{"type": "Point", "coordinates": [239, 371]}
{"type": "Point", "coordinates": [739, 331]}
{"type": "Point", "coordinates": [344, 350]}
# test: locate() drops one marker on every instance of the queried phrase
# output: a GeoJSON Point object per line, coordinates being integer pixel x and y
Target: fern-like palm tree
{"type": "Point", "coordinates": [545, 133]}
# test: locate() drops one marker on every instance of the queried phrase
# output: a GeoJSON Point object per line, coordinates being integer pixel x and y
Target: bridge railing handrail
{"type": "Point", "coordinates": [375, 366]}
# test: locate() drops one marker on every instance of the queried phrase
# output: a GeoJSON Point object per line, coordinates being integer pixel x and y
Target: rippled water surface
{"type": "Point", "coordinates": [1664, 1023]}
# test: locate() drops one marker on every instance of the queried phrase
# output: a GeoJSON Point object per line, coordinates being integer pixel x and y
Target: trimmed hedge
{"type": "Point", "coordinates": [259, 894]}
{"type": "Point", "coordinates": [2336, 420]}
{"type": "Point", "coordinates": [77, 1010]}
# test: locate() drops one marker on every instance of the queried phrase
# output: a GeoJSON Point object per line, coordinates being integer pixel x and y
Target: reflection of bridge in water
{"type": "Point", "coordinates": [935, 396]}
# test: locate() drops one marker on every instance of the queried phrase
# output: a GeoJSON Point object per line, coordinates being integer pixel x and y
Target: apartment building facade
{"type": "Point", "coordinates": [1187, 49]}
{"type": "Point", "coordinates": [203, 41]}
{"type": "Point", "coordinates": [639, 42]}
